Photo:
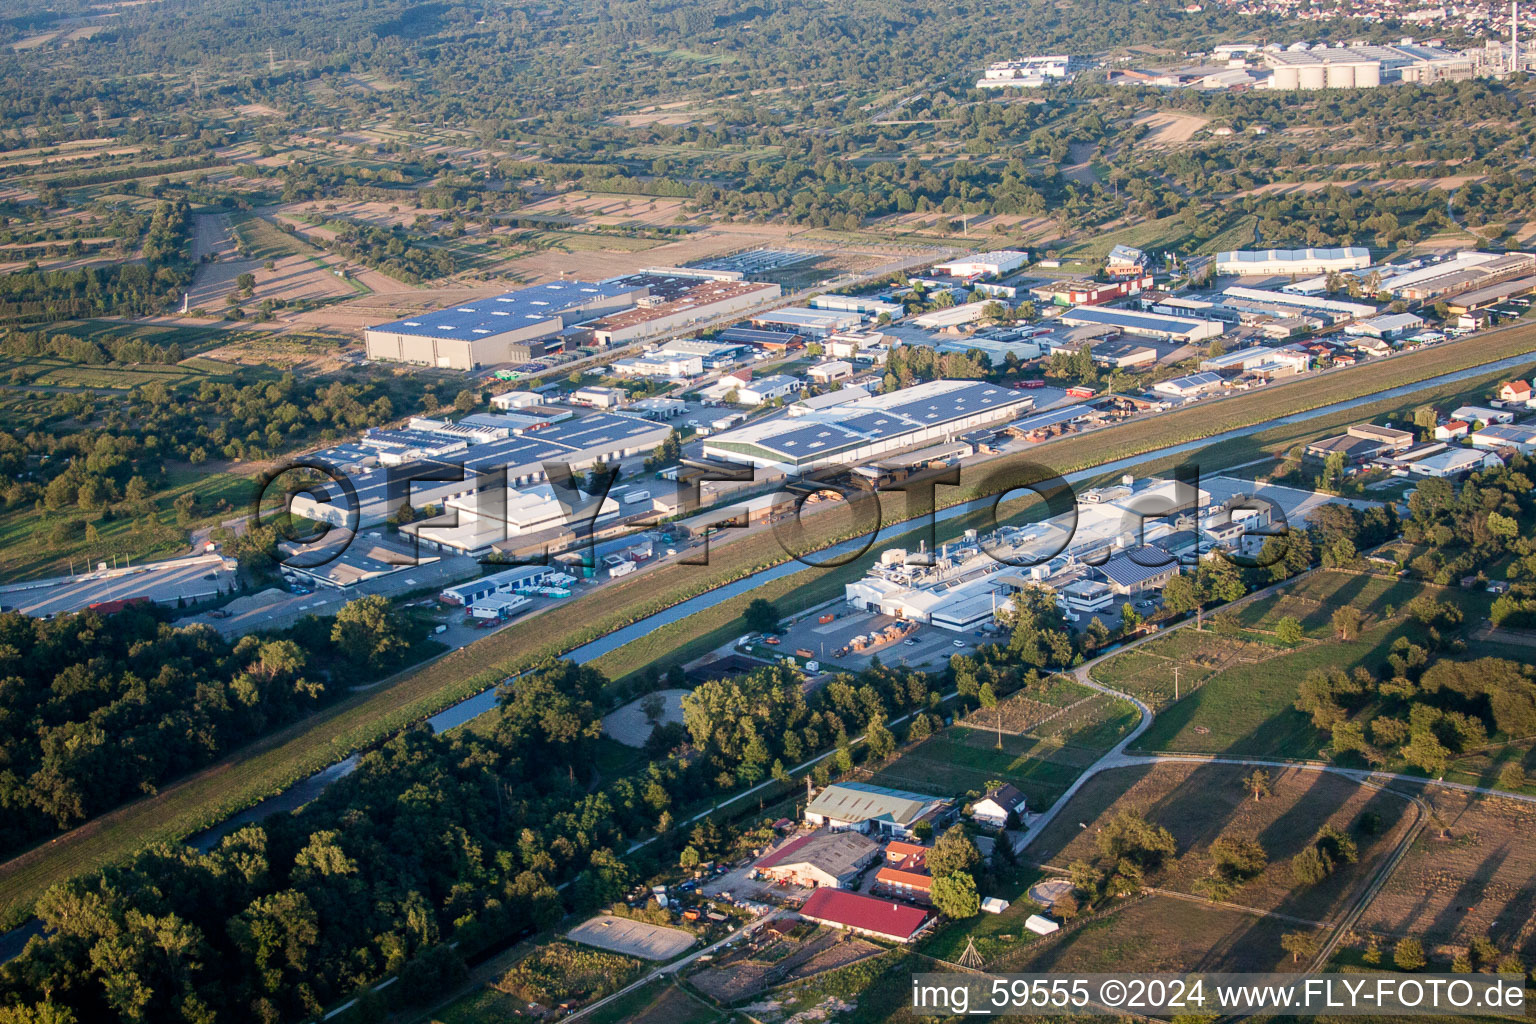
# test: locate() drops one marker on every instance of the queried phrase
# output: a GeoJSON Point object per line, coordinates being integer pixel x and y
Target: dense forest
{"type": "Point", "coordinates": [100, 709]}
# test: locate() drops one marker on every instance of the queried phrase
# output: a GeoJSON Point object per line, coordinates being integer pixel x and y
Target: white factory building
{"type": "Point", "coordinates": [1146, 325]}
{"type": "Point", "coordinates": [868, 306]}
{"type": "Point", "coordinates": [476, 521]}
{"type": "Point", "coordinates": [1276, 262]}
{"type": "Point", "coordinates": [984, 264]}
{"type": "Point", "coordinates": [1027, 72]}
{"type": "Point", "coordinates": [1089, 559]}
{"type": "Point", "coordinates": [858, 432]}
{"type": "Point", "coordinates": [1333, 310]}
{"type": "Point", "coordinates": [1362, 66]}
{"type": "Point", "coordinates": [481, 332]}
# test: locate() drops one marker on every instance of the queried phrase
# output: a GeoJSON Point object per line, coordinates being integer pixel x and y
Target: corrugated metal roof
{"type": "Point", "coordinates": [850, 910]}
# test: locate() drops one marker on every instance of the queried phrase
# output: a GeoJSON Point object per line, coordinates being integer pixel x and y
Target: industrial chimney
{"type": "Point", "coordinates": [1514, 37]}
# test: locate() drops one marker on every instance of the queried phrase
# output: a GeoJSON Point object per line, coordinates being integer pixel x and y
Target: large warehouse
{"type": "Point", "coordinates": [1273, 262]}
{"type": "Point", "coordinates": [481, 332]}
{"type": "Point", "coordinates": [705, 301]}
{"type": "Point", "coordinates": [581, 443]}
{"type": "Point", "coordinates": [984, 264]}
{"type": "Point", "coordinates": [1145, 325]}
{"type": "Point", "coordinates": [869, 428]}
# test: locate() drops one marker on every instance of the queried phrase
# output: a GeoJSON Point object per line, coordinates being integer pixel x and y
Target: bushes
{"type": "Point", "coordinates": [562, 971]}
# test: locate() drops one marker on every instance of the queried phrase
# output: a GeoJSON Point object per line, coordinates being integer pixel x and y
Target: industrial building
{"type": "Point", "coordinates": [580, 443]}
{"type": "Point", "coordinates": [866, 808]}
{"type": "Point", "coordinates": [1284, 262]}
{"type": "Point", "coordinates": [1465, 271]}
{"type": "Point", "coordinates": [524, 578]}
{"type": "Point", "coordinates": [1362, 442]}
{"type": "Point", "coordinates": [870, 307]}
{"type": "Point", "coordinates": [659, 365]}
{"type": "Point", "coordinates": [1259, 361]}
{"type": "Point", "coordinates": [1027, 72]}
{"type": "Point", "coordinates": [953, 316]}
{"type": "Point", "coordinates": [366, 557]}
{"type": "Point", "coordinates": [1389, 325]}
{"type": "Point", "coordinates": [1505, 435]}
{"type": "Point", "coordinates": [967, 582]}
{"type": "Point", "coordinates": [481, 519]}
{"type": "Point", "coordinates": [1482, 298]}
{"type": "Point", "coordinates": [1363, 66]}
{"type": "Point", "coordinates": [1191, 385]}
{"type": "Point", "coordinates": [705, 301]}
{"type": "Point", "coordinates": [482, 332]}
{"type": "Point", "coordinates": [1265, 300]}
{"type": "Point", "coordinates": [822, 859]}
{"type": "Point", "coordinates": [1146, 325]}
{"type": "Point", "coordinates": [983, 264]}
{"type": "Point", "coordinates": [1090, 293]}
{"type": "Point", "coordinates": [803, 320]}
{"type": "Point", "coordinates": [871, 427]}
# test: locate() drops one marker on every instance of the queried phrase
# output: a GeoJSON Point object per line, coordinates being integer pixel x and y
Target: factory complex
{"type": "Point", "coordinates": [871, 427]}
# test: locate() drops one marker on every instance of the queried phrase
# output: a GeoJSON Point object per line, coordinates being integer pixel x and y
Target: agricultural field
{"type": "Point", "coordinates": [1160, 934]}
{"type": "Point", "coordinates": [1200, 802]}
{"type": "Point", "coordinates": [1028, 712]}
{"type": "Point", "coordinates": [660, 1002]}
{"type": "Point", "coordinates": [1471, 874]}
{"type": "Point", "coordinates": [1147, 670]}
{"type": "Point", "coordinates": [960, 760]}
{"type": "Point", "coordinates": [1245, 705]}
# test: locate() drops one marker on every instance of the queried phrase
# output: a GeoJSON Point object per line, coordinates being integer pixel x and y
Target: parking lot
{"type": "Point", "coordinates": [187, 579]}
{"type": "Point", "coordinates": [923, 645]}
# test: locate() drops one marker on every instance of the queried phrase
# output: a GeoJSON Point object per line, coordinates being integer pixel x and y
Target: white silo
{"type": "Point", "coordinates": [1341, 76]}
{"type": "Point", "coordinates": [1368, 74]}
{"type": "Point", "coordinates": [1313, 76]}
{"type": "Point", "coordinates": [1286, 78]}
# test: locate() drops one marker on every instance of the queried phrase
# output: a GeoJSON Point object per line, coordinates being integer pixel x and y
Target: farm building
{"type": "Point", "coordinates": [861, 806]}
{"type": "Point", "coordinates": [999, 806]}
{"type": "Point", "coordinates": [823, 859]}
{"type": "Point", "coordinates": [865, 915]}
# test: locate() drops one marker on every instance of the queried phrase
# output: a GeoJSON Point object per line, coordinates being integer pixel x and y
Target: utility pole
{"type": "Point", "coordinates": [271, 60]}
{"type": "Point", "coordinates": [1175, 682]}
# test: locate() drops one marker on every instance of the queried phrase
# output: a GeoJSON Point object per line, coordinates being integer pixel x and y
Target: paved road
{"type": "Point", "coordinates": [189, 579]}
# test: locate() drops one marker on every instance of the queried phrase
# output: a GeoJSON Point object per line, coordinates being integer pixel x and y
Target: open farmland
{"type": "Point", "coordinates": [1471, 874]}
{"type": "Point", "coordinates": [1246, 706]}
{"type": "Point", "coordinates": [1158, 934]}
{"type": "Point", "coordinates": [298, 273]}
{"type": "Point", "coordinates": [959, 760]}
{"type": "Point", "coordinates": [1200, 802]}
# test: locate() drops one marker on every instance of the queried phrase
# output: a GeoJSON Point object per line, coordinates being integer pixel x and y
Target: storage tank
{"type": "Point", "coordinates": [1286, 78]}
{"type": "Point", "coordinates": [1313, 76]}
{"type": "Point", "coordinates": [1368, 74]}
{"type": "Point", "coordinates": [1341, 76]}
